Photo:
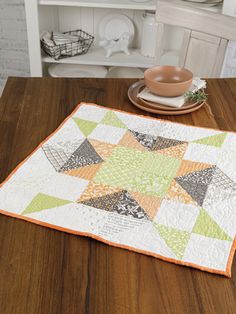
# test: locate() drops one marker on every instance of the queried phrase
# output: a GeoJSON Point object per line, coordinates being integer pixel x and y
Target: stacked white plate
{"type": "Point", "coordinates": [206, 3]}
{"type": "Point", "coordinates": [76, 70]}
{"type": "Point", "coordinates": [124, 72]}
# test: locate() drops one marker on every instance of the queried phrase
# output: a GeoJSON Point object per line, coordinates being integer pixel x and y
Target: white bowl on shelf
{"type": "Point", "coordinates": [124, 72]}
{"type": "Point", "coordinates": [76, 70]}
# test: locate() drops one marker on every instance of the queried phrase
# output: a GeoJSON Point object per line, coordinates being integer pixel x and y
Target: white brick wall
{"type": "Point", "coordinates": [14, 59]}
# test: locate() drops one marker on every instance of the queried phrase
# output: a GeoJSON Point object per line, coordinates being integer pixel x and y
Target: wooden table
{"type": "Point", "coordinates": [46, 271]}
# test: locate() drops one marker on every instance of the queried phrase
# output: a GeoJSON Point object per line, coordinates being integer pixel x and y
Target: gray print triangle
{"type": "Point", "coordinates": [162, 143]}
{"type": "Point", "coordinates": [221, 180]}
{"type": "Point", "coordinates": [84, 155]}
{"type": "Point", "coordinates": [196, 183]}
{"type": "Point", "coordinates": [148, 141]}
{"type": "Point", "coordinates": [106, 202]}
{"type": "Point", "coordinates": [129, 207]}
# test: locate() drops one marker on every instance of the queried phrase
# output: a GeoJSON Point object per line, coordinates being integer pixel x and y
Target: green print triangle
{"type": "Point", "coordinates": [85, 126]}
{"type": "Point", "coordinates": [213, 140]}
{"type": "Point", "coordinates": [175, 239]}
{"type": "Point", "coordinates": [44, 201]}
{"type": "Point", "coordinates": [206, 226]}
{"type": "Point", "coordinates": [111, 118]}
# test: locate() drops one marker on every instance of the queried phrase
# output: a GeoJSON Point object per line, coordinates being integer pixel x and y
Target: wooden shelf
{"type": "Point", "coordinates": [113, 4]}
{"type": "Point", "coordinates": [96, 56]}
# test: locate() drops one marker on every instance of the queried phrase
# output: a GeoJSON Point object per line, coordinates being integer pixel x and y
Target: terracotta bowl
{"type": "Point", "coordinates": [168, 81]}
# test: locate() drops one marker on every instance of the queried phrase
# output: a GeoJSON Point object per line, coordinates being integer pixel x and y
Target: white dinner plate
{"type": "Point", "coordinates": [205, 2]}
{"type": "Point", "coordinates": [76, 70]}
{"type": "Point", "coordinates": [112, 26]}
{"type": "Point", "coordinates": [124, 72]}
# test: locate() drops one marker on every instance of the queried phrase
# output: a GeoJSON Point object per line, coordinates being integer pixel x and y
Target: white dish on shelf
{"type": "Point", "coordinates": [206, 3]}
{"type": "Point", "coordinates": [112, 26]}
{"type": "Point", "coordinates": [76, 70]}
{"type": "Point", "coordinates": [124, 72]}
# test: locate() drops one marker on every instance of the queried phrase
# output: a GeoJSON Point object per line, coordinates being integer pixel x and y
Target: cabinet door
{"type": "Point", "coordinates": [205, 54]}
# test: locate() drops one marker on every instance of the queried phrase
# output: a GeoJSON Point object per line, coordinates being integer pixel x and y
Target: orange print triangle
{"type": "Point", "coordinates": [87, 172]}
{"type": "Point", "coordinates": [104, 150]}
{"type": "Point", "coordinates": [177, 193]}
{"type": "Point", "coordinates": [94, 190]}
{"type": "Point", "coordinates": [128, 140]}
{"type": "Point", "coordinates": [188, 166]}
{"type": "Point", "coordinates": [150, 204]}
{"type": "Point", "coordinates": [177, 151]}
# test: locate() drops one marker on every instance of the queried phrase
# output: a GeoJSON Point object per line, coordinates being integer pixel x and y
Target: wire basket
{"type": "Point", "coordinates": [71, 49]}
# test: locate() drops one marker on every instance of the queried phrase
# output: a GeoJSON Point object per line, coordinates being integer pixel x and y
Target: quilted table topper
{"type": "Point", "coordinates": [160, 188]}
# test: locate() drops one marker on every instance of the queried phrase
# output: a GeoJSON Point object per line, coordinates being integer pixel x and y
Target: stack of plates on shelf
{"type": "Point", "coordinates": [134, 94]}
{"type": "Point", "coordinates": [124, 72]}
{"type": "Point", "coordinates": [205, 3]}
{"type": "Point", "coordinates": [76, 70]}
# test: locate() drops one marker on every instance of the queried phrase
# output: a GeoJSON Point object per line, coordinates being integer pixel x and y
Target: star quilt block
{"type": "Point", "coordinates": [155, 187]}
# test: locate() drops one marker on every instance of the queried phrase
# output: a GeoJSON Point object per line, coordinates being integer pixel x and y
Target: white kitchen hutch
{"type": "Point", "coordinates": [64, 15]}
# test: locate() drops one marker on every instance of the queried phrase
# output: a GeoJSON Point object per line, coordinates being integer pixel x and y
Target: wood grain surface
{"type": "Point", "coordinates": [47, 271]}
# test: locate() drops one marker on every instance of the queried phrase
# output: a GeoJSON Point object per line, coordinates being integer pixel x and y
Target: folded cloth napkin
{"type": "Point", "coordinates": [60, 38]}
{"type": "Point", "coordinates": [47, 38]}
{"type": "Point", "coordinates": [172, 101]}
